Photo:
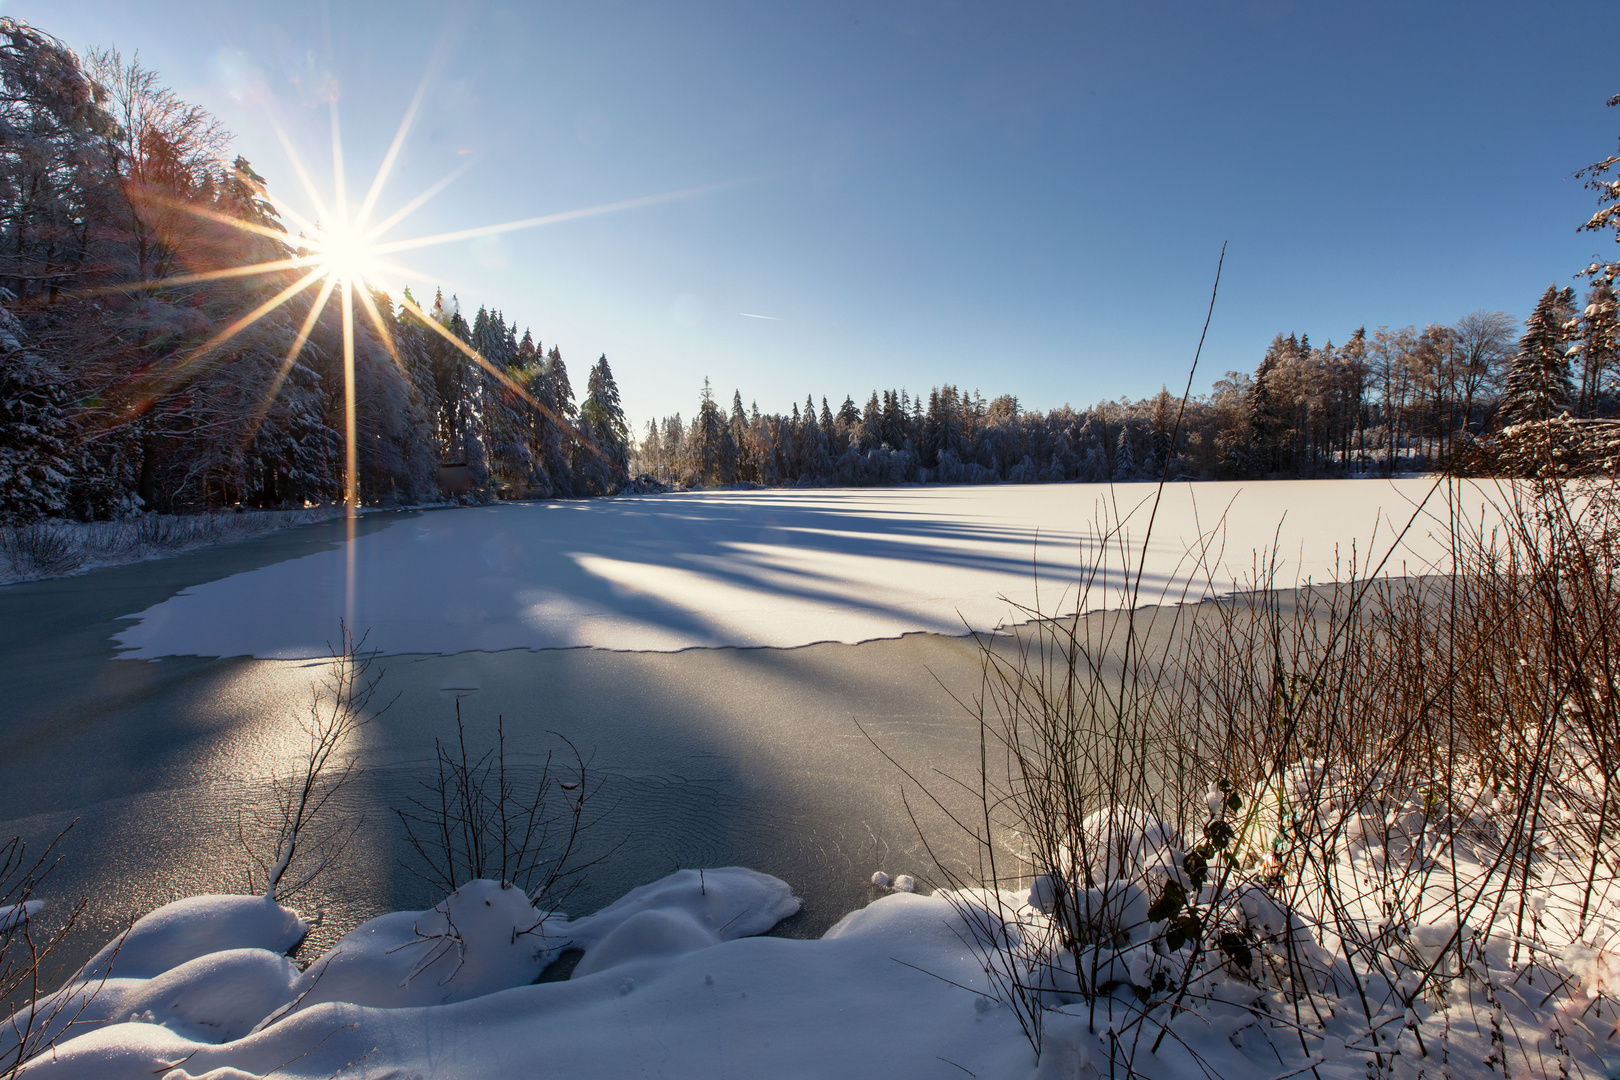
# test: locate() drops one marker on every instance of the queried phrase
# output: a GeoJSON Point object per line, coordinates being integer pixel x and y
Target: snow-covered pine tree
{"type": "Point", "coordinates": [1538, 385]}
{"type": "Point", "coordinates": [1607, 219]}
{"type": "Point", "coordinates": [35, 463]}
{"type": "Point", "coordinates": [1124, 456]}
{"type": "Point", "coordinates": [1163, 419]}
{"type": "Point", "coordinates": [606, 416]}
{"type": "Point", "coordinates": [1600, 349]}
{"type": "Point", "coordinates": [1538, 390]}
{"type": "Point", "coordinates": [1263, 419]}
{"type": "Point", "coordinates": [816, 446]}
{"type": "Point", "coordinates": [714, 456]}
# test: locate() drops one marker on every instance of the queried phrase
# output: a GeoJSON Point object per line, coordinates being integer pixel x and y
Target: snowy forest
{"type": "Point", "coordinates": [137, 374]}
{"type": "Point", "coordinates": [115, 397]}
{"type": "Point", "coordinates": [1443, 397]}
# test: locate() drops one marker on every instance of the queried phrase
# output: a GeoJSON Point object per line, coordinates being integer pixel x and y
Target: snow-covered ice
{"type": "Point", "coordinates": [768, 568]}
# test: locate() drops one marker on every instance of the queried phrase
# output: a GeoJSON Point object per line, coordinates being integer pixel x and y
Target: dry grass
{"type": "Point", "coordinates": [46, 549]}
{"type": "Point", "coordinates": [1375, 818]}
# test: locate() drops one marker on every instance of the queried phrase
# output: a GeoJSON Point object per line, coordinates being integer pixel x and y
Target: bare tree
{"type": "Point", "coordinates": [163, 149]}
{"type": "Point", "coordinates": [477, 821]}
{"type": "Point", "coordinates": [306, 834]}
{"type": "Point", "coordinates": [39, 1017]}
{"type": "Point", "coordinates": [1484, 342]}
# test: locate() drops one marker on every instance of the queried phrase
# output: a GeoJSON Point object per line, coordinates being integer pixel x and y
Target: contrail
{"type": "Point", "coordinates": [745, 315]}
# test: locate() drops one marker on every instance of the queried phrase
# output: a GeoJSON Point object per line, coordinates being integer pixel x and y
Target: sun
{"type": "Point", "coordinates": [343, 251]}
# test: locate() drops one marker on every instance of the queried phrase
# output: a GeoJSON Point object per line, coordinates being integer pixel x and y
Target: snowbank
{"type": "Point", "coordinates": [673, 984]}
{"type": "Point", "coordinates": [670, 985]}
{"type": "Point", "coordinates": [769, 568]}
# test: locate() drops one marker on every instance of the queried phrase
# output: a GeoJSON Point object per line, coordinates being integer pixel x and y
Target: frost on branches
{"type": "Point", "coordinates": [34, 465]}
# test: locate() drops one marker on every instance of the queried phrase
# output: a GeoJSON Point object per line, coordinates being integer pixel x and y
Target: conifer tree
{"type": "Point", "coordinates": [1163, 419]}
{"type": "Point", "coordinates": [602, 410]}
{"type": "Point", "coordinates": [1539, 386]}
{"type": "Point", "coordinates": [1607, 219]}
{"type": "Point", "coordinates": [1600, 349]}
{"type": "Point", "coordinates": [35, 470]}
{"type": "Point", "coordinates": [1124, 456]}
{"type": "Point", "coordinates": [714, 456]}
{"type": "Point", "coordinates": [747, 467]}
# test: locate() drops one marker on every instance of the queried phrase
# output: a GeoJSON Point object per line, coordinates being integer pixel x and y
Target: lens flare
{"type": "Point", "coordinates": [344, 252]}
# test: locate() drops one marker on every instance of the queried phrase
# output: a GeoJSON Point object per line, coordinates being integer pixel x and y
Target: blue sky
{"type": "Point", "coordinates": [1013, 197]}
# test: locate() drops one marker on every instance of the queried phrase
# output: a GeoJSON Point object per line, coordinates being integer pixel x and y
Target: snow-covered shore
{"type": "Point", "coordinates": [671, 984]}
{"type": "Point", "coordinates": [674, 983]}
{"type": "Point", "coordinates": [48, 549]}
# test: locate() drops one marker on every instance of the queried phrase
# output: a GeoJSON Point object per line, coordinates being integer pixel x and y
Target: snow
{"type": "Point", "coordinates": [673, 984]}
{"type": "Point", "coordinates": [843, 1006]}
{"type": "Point", "coordinates": [770, 568]}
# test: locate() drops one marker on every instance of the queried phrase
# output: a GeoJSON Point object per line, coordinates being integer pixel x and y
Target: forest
{"type": "Point", "coordinates": [121, 226]}
{"type": "Point", "coordinates": [142, 370]}
{"type": "Point", "coordinates": [1395, 400]}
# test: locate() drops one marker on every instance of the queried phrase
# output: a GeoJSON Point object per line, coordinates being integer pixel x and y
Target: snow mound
{"type": "Point", "coordinates": [484, 937]}
{"type": "Point", "coordinates": [214, 998]}
{"type": "Point", "coordinates": [646, 935]}
{"type": "Point", "coordinates": [735, 1008]}
{"type": "Point", "coordinates": [197, 926]}
{"type": "Point", "coordinates": [728, 903]}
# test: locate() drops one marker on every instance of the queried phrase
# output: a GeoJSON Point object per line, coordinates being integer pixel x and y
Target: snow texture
{"type": "Point", "coordinates": [773, 568]}
{"type": "Point", "coordinates": [743, 1007]}
{"type": "Point", "coordinates": [671, 984]}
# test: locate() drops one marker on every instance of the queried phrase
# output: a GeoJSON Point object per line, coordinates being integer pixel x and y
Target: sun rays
{"type": "Point", "coordinates": [347, 252]}
{"type": "Point", "coordinates": [321, 250]}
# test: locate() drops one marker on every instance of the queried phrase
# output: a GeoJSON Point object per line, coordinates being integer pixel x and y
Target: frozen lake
{"type": "Point", "coordinates": [774, 569]}
{"type": "Point", "coordinates": [150, 702]}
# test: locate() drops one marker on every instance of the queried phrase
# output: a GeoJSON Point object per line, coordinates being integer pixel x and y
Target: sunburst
{"type": "Point", "coordinates": [349, 252]}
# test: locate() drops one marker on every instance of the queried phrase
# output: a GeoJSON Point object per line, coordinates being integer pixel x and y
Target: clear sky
{"type": "Point", "coordinates": [1017, 197]}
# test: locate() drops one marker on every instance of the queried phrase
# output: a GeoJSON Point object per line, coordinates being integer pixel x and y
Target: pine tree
{"type": "Point", "coordinates": [1607, 218]}
{"type": "Point", "coordinates": [1263, 420]}
{"type": "Point", "coordinates": [1162, 422]}
{"type": "Point", "coordinates": [35, 469]}
{"type": "Point", "coordinates": [1124, 456]}
{"type": "Point", "coordinates": [602, 410]}
{"type": "Point", "coordinates": [714, 456]}
{"type": "Point", "coordinates": [1538, 385]}
{"type": "Point", "coordinates": [848, 415]}
{"type": "Point", "coordinates": [747, 467]}
{"type": "Point", "coordinates": [1600, 346]}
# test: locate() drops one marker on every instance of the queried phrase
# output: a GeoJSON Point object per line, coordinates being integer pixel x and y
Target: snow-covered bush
{"type": "Point", "coordinates": [1370, 825]}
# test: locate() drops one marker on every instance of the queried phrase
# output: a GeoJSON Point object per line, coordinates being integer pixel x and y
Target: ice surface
{"type": "Point", "coordinates": [770, 568]}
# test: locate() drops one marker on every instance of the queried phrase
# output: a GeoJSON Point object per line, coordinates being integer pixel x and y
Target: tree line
{"type": "Point", "coordinates": [140, 371]}
{"type": "Point", "coordinates": [1388, 401]}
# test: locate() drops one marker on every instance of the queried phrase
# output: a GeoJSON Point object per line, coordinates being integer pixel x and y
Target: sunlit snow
{"type": "Point", "coordinates": [779, 568]}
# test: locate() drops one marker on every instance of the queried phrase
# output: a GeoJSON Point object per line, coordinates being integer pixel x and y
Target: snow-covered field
{"type": "Point", "coordinates": [774, 568]}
